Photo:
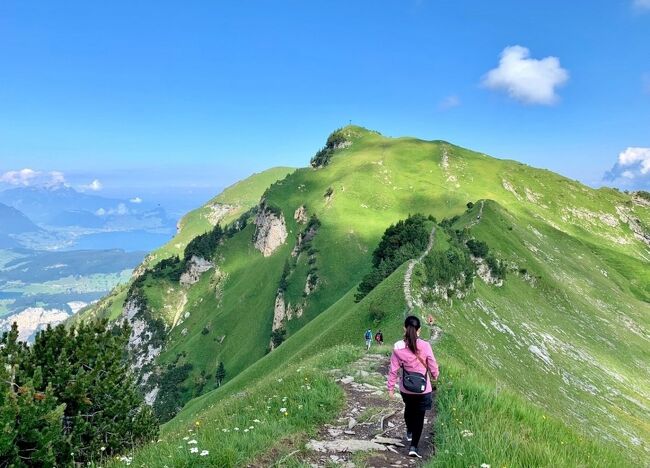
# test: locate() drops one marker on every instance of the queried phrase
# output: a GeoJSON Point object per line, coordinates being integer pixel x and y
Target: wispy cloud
{"type": "Point", "coordinates": [642, 4]}
{"type": "Point", "coordinates": [94, 186]}
{"type": "Point", "coordinates": [28, 177]}
{"type": "Point", "coordinates": [528, 80]}
{"type": "Point", "coordinates": [449, 102]}
{"type": "Point", "coordinates": [632, 165]}
{"type": "Point", "coordinates": [136, 200]}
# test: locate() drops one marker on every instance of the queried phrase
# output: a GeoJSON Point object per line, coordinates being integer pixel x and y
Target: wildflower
{"type": "Point", "coordinates": [485, 465]}
{"type": "Point", "coordinates": [102, 448]}
{"type": "Point", "coordinates": [225, 430]}
{"type": "Point", "coordinates": [279, 380]}
{"type": "Point", "coordinates": [245, 430]}
{"type": "Point", "coordinates": [299, 406]}
{"type": "Point", "coordinates": [256, 421]}
{"type": "Point", "coordinates": [251, 427]}
{"type": "Point", "coordinates": [204, 453]}
{"type": "Point", "coordinates": [186, 438]}
{"type": "Point", "coordinates": [236, 428]}
{"type": "Point", "coordinates": [198, 423]}
{"type": "Point", "coordinates": [192, 442]}
{"type": "Point", "coordinates": [284, 399]}
{"type": "Point", "coordinates": [283, 410]}
{"type": "Point", "coordinates": [194, 450]}
{"type": "Point", "coordinates": [466, 433]}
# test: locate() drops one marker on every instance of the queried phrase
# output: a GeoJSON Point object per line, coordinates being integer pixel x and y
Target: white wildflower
{"type": "Point", "coordinates": [204, 453]}
{"type": "Point", "coordinates": [194, 450]}
{"type": "Point", "coordinates": [186, 438]}
{"type": "Point", "coordinates": [192, 442]}
{"type": "Point", "coordinates": [283, 410]}
{"type": "Point", "coordinates": [256, 421]}
{"type": "Point", "coordinates": [466, 433]}
{"type": "Point", "coordinates": [485, 465]}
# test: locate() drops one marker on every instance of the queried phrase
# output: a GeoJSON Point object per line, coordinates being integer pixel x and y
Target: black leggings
{"type": "Point", "coordinates": [414, 409]}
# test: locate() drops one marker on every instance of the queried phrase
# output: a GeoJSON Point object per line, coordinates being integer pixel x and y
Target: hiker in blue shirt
{"type": "Point", "coordinates": [368, 338]}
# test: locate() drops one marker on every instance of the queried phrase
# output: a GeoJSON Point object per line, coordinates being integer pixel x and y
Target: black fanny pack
{"type": "Point", "coordinates": [414, 381]}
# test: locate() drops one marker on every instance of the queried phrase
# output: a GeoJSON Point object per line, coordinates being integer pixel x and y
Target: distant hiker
{"type": "Point", "coordinates": [379, 338]}
{"type": "Point", "coordinates": [419, 368]}
{"type": "Point", "coordinates": [368, 338]}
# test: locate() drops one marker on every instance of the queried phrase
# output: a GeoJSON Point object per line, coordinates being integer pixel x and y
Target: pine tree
{"type": "Point", "coordinates": [221, 374]}
{"type": "Point", "coordinates": [72, 392]}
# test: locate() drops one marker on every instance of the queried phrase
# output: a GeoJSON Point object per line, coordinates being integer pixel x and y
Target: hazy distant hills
{"type": "Point", "coordinates": [15, 222]}
{"type": "Point", "coordinates": [60, 217]}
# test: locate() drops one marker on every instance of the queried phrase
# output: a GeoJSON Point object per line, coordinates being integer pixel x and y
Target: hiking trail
{"type": "Point", "coordinates": [479, 217]}
{"type": "Point", "coordinates": [409, 271]}
{"type": "Point", "coordinates": [370, 429]}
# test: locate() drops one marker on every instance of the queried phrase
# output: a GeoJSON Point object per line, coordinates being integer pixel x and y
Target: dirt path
{"type": "Point", "coordinates": [479, 217]}
{"type": "Point", "coordinates": [370, 430]}
{"type": "Point", "coordinates": [409, 271]}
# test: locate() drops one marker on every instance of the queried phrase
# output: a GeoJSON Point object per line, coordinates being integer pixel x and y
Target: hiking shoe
{"type": "Point", "coordinates": [413, 452]}
{"type": "Point", "coordinates": [409, 436]}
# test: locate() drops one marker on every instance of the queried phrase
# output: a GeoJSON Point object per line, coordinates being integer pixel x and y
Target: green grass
{"type": "Point", "coordinates": [238, 430]}
{"type": "Point", "coordinates": [481, 423]}
{"type": "Point", "coordinates": [568, 341]}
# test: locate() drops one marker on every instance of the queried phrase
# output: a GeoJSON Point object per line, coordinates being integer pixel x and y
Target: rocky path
{"type": "Point", "coordinates": [479, 217]}
{"type": "Point", "coordinates": [408, 295]}
{"type": "Point", "coordinates": [370, 430]}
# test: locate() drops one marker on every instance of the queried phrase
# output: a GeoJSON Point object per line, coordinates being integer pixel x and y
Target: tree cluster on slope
{"type": "Point", "coordinates": [70, 397]}
{"type": "Point", "coordinates": [401, 242]}
{"type": "Point", "coordinates": [335, 141]}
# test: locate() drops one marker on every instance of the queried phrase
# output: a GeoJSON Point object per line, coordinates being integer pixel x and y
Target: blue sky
{"type": "Point", "coordinates": [163, 97]}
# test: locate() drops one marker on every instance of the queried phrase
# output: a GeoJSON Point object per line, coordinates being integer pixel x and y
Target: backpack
{"type": "Point", "coordinates": [368, 335]}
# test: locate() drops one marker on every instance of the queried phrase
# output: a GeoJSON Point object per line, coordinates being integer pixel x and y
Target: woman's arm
{"type": "Point", "coordinates": [392, 372]}
{"type": "Point", "coordinates": [432, 364]}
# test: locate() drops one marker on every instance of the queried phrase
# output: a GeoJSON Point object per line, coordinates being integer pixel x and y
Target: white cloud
{"type": "Point", "coordinates": [642, 4]}
{"type": "Point", "coordinates": [636, 157]}
{"type": "Point", "coordinates": [529, 80]}
{"type": "Point", "coordinates": [136, 200]}
{"type": "Point", "coordinates": [56, 178]}
{"type": "Point", "coordinates": [28, 177]}
{"type": "Point", "coordinates": [121, 210]}
{"type": "Point", "coordinates": [449, 102]}
{"type": "Point", "coordinates": [94, 186]}
{"type": "Point", "coordinates": [632, 164]}
{"type": "Point", "coordinates": [21, 177]}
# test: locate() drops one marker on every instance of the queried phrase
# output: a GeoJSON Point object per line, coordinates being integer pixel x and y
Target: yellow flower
{"type": "Point", "coordinates": [198, 423]}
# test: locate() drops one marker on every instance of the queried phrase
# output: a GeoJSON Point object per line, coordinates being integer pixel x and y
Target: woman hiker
{"type": "Point", "coordinates": [419, 368]}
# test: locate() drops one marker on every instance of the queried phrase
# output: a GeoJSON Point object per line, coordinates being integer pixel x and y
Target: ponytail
{"type": "Point", "coordinates": [411, 326]}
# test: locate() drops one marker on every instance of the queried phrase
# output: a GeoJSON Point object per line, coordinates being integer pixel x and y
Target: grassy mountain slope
{"type": "Point", "coordinates": [240, 197]}
{"type": "Point", "coordinates": [557, 352]}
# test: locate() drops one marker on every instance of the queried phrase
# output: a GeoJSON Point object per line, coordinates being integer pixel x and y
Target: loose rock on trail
{"type": "Point", "coordinates": [370, 430]}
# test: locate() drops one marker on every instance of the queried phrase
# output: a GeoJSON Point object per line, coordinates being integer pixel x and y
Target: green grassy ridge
{"type": "Point", "coordinates": [573, 337]}
{"type": "Point", "coordinates": [242, 195]}
{"type": "Point", "coordinates": [507, 431]}
{"type": "Point", "coordinates": [378, 181]}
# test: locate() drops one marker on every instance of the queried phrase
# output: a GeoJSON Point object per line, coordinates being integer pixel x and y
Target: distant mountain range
{"type": "Point", "coordinates": [60, 217]}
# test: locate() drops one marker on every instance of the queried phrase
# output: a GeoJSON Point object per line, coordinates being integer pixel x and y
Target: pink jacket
{"type": "Point", "coordinates": [404, 356]}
